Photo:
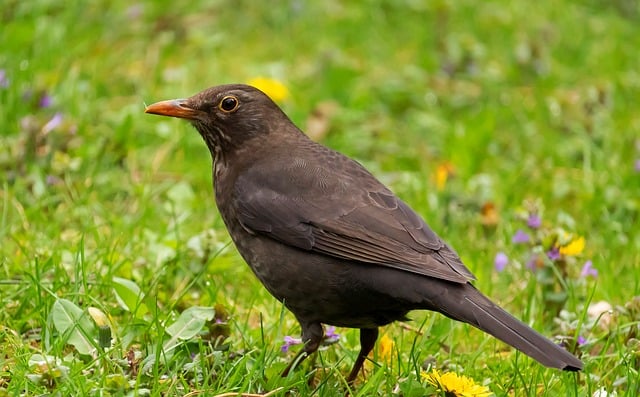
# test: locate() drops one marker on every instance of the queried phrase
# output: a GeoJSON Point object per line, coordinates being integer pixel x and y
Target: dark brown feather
{"type": "Point", "coordinates": [350, 218]}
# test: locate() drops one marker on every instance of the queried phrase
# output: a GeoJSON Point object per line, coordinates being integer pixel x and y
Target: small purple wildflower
{"type": "Point", "coordinates": [521, 237]}
{"type": "Point", "coordinates": [52, 124]}
{"type": "Point", "coordinates": [45, 100]}
{"type": "Point", "coordinates": [534, 221]}
{"type": "Point", "coordinates": [581, 340]}
{"type": "Point", "coordinates": [554, 253]}
{"type": "Point", "coordinates": [501, 261]}
{"type": "Point", "coordinates": [330, 335]}
{"type": "Point", "coordinates": [134, 11]}
{"type": "Point", "coordinates": [288, 342]}
{"type": "Point", "coordinates": [52, 180]}
{"type": "Point", "coordinates": [588, 270]}
{"type": "Point", "coordinates": [532, 263]}
{"type": "Point", "coordinates": [636, 166]}
{"type": "Point", "coordinates": [4, 81]}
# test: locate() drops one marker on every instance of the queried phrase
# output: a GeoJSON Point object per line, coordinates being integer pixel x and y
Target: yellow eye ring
{"type": "Point", "coordinates": [228, 104]}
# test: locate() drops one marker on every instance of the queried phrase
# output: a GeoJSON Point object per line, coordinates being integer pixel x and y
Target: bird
{"type": "Point", "coordinates": [329, 240]}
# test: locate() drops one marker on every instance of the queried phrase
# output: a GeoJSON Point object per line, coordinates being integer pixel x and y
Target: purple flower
{"type": "Point", "coordinates": [532, 263]}
{"type": "Point", "coordinates": [288, 342]}
{"type": "Point", "coordinates": [45, 100]}
{"type": "Point", "coordinates": [52, 180]}
{"type": "Point", "coordinates": [534, 221]}
{"type": "Point", "coordinates": [581, 340]}
{"type": "Point", "coordinates": [330, 335]}
{"type": "Point", "coordinates": [501, 261]}
{"type": "Point", "coordinates": [134, 11]}
{"type": "Point", "coordinates": [588, 270]}
{"type": "Point", "coordinates": [4, 81]}
{"type": "Point", "coordinates": [55, 121]}
{"type": "Point", "coordinates": [521, 237]}
{"type": "Point", "coordinates": [637, 165]}
{"type": "Point", "coordinates": [554, 253]}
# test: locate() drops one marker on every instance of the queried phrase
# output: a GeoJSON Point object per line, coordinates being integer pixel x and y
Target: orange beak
{"type": "Point", "coordinates": [173, 108]}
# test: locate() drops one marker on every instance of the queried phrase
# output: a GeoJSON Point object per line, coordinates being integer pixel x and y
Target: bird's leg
{"type": "Point", "coordinates": [311, 336]}
{"type": "Point", "coordinates": [368, 338]}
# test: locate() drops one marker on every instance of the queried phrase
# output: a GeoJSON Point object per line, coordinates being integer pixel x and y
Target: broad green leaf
{"type": "Point", "coordinates": [74, 324]}
{"type": "Point", "coordinates": [188, 325]}
{"type": "Point", "coordinates": [130, 296]}
{"type": "Point", "coordinates": [190, 322]}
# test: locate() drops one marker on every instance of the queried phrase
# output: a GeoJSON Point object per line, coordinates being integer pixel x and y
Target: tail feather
{"type": "Point", "coordinates": [482, 313]}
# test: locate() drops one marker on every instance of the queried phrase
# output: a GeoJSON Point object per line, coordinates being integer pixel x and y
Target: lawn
{"type": "Point", "coordinates": [512, 127]}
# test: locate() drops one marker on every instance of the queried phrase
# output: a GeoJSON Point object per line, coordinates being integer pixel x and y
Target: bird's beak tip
{"type": "Point", "coordinates": [171, 108]}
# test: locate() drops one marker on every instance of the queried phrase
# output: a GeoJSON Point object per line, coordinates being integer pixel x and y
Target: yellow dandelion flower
{"type": "Point", "coordinates": [443, 172]}
{"type": "Point", "coordinates": [453, 385]}
{"type": "Point", "coordinates": [385, 348]}
{"type": "Point", "coordinates": [575, 247]}
{"type": "Point", "coordinates": [489, 215]}
{"type": "Point", "coordinates": [272, 87]}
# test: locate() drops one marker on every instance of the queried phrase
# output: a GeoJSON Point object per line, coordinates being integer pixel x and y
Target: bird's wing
{"type": "Point", "coordinates": [346, 214]}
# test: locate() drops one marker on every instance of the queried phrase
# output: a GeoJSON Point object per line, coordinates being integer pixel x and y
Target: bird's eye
{"type": "Point", "coordinates": [228, 104]}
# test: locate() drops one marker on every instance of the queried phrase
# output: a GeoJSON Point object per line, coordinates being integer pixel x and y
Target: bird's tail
{"type": "Point", "coordinates": [476, 309]}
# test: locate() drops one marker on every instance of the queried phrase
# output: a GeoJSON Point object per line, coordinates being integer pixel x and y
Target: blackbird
{"type": "Point", "coordinates": [328, 239]}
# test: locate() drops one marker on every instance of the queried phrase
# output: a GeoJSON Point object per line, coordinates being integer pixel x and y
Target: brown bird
{"type": "Point", "coordinates": [328, 239]}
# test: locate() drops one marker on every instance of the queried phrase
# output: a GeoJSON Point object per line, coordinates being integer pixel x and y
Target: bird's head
{"type": "Point", "coordinates": [227, 115]}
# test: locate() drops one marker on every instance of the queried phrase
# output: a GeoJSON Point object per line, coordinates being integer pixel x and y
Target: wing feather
{"type": "Point", "coordinates": [353, 217]}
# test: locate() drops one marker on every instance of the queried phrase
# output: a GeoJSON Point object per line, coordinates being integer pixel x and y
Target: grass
{"type": "Point", "coordinates": [526, 106]}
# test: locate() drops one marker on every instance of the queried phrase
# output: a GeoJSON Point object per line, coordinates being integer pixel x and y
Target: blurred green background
{"type": "Point", "coordinates": [475, 113]}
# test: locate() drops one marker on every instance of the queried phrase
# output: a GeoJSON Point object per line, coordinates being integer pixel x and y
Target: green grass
{"type": "Point", "coordinates": [532, 104]}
